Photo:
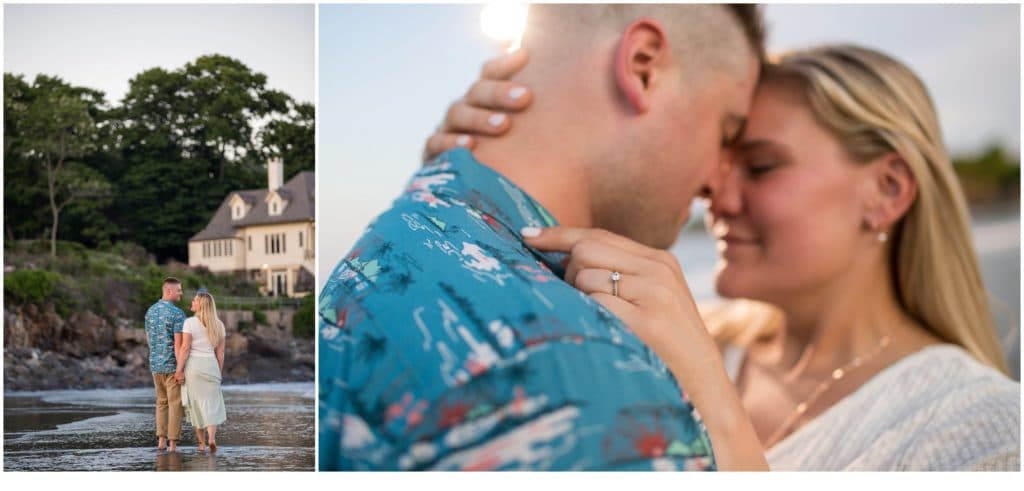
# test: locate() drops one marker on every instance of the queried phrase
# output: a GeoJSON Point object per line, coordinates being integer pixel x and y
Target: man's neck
{"type": "Point", "coordinates": [543, 166]}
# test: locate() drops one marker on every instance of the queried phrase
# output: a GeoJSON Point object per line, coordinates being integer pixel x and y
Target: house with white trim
{"type": "Point", "coordinates": [267, 234]}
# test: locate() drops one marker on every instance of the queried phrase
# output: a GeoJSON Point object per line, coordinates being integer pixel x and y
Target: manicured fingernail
{"type": "Point", "coordinates": [496, 120]}
{"type": "Point", "coordinates": [516, 93]}
{"type": "Point", "coordinates": [530, 232]}
{"type": "Point", "coordinates": [462, 140]}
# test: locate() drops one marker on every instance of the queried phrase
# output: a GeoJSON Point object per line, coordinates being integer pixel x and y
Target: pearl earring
{"type": "Point", "coordinates": [882, 237]}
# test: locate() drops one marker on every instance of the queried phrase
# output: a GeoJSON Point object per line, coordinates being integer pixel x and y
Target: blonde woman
{"type": "Point", "coordinates": [860, 335]}
{"type": "Point", "coordinates": [200, 368]}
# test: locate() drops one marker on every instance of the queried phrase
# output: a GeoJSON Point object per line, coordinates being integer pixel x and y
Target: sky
{"type": "Point", "coordinates": [389, 72]}
{"type": "Point", "coordinates": [103, 46]}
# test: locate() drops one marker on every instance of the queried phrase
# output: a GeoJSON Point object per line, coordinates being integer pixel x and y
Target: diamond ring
{"type": "Point", "coordinates": [616, 276]}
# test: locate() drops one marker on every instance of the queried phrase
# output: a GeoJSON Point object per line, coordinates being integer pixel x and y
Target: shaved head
{"type": "Point", "coordinates": [707, 38]}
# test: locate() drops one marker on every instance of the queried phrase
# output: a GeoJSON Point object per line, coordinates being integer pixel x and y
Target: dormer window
{"type": "Point", "coordinates": [238, 207]}
{"type": "Point", "coordinates": [276, 203]}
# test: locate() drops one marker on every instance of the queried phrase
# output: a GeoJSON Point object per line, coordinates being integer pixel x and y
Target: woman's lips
{"type": "Point", "coordinates": [735, 240]}
{"type": "Point", "coordinates": [731, 247]}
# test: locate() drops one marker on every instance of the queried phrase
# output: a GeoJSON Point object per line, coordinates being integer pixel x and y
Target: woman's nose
{"type": "Point", "coordinates": [726, 198]}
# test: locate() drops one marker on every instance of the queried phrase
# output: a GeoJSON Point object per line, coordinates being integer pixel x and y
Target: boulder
{"type": "Point", "coordinates": [90, 335]}
{"type": "Point", "coordinates": [129, 337]}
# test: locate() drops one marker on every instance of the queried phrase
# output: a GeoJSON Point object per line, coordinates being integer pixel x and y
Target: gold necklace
{"type": "Point", "coordinates": [837, 375]}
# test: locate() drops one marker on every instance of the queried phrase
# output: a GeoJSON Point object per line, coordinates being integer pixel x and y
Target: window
{"type": "Point", "coordinates": [217, 245]}
{"type": "Point", "coordinates": [231, 247]}
{"type": "Point", "coordinates": [250, 242]}
{"type": "Point", "coordinates": [275, 243]}
{"type": "Point", "coordinates": [206, 249]}
{"type": "Point", "coordinates": [273, 208]}
{"type": "Point", "coordinates": [300, 239]}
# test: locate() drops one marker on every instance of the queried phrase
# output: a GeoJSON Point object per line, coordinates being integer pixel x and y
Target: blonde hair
{"type": "Point", "coordinates": [875, 105]}
{"type": "Point", "coordinates": [207, 315]}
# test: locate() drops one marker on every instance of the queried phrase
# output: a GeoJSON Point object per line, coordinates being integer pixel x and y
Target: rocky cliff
{"type": "Point", "coordinates": [43, 350]}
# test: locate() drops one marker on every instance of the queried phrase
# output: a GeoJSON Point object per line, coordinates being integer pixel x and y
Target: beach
{"type": "Point", "coordinates": [270, 427]}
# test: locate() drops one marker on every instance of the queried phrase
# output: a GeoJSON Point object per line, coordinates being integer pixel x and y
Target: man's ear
{"type": "Point", "coordinates": [894, 188]}
{"type": "Point", "coordinates": [642, 52]}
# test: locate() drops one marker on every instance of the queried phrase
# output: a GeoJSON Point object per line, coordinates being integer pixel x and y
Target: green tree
{"type": "Point", "coordinates": [292, 138]}
{"type": "Point", "coordinates": [227, 98]}
{"type": "Point", "coordinates": [166, 202]}
{"type": "Point", "coordinates": [55, 124]}
{"type": "Point", "coordinates": [24, 186]}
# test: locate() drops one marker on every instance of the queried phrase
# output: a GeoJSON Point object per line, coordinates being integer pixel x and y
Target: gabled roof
{"type": "Point", "coordinates": [244, 197]}
{"type": "Point", "coordinates": [300, 191]}
{"type": "Point", "coordinates": [283, 193]}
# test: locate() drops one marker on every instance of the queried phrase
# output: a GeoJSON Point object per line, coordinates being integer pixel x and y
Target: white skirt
{"type": "Point", "coordinates": [201, 395]}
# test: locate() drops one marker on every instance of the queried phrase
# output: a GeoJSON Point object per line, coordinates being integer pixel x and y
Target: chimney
{"type": "Point", "coordinates": [275, 174]}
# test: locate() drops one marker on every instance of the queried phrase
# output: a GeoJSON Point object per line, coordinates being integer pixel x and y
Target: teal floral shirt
{"type": "Point", "coordinates": [163, 321]}
{"type": "Point", "coordinates": [447, 343]}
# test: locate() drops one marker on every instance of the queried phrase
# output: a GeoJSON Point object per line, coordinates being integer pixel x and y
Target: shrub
{"type": "Point", "coordinates": [259, 317]}
{"type": "Point", "coordinates": [133, 253]}
{"type": "Point", "coordinates": [304, 320]}
{"type": "Point", "coordinates": [244, 325]}
{"type": "Point", "coordinates": [30, 286]}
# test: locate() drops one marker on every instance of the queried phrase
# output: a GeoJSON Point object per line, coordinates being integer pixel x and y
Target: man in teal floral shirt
{"type": "Point", "coordinates": [164, 324]}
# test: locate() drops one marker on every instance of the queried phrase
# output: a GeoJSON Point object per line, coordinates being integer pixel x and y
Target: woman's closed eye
{"type": "Point", "coordinates": [759, 168]}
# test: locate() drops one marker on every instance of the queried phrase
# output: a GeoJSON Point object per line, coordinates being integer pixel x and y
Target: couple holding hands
{"type": "Point", "coordinates": [186, 357]}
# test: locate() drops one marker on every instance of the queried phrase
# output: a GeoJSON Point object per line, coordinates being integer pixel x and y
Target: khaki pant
{"type": "Point", "coordinates": [168, 406]}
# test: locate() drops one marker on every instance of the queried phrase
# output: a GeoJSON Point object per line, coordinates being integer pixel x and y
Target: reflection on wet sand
{"type": "Point", "coordinates": [187, 459]}
{"type": "Point", "coordinates": [168, 461]}
{"type": "Point", "coordinates": [269, 427]}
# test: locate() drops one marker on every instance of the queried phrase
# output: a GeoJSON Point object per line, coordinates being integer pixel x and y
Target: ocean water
{"type": "Point", "coordinates": [269, 428]}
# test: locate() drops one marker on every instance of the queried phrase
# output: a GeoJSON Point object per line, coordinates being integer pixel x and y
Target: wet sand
{"type": "Point", "coordinates": [269, 427]}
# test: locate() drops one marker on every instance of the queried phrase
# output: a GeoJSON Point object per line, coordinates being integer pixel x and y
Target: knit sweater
{"type": "Point", "coordinates": [937, 409]}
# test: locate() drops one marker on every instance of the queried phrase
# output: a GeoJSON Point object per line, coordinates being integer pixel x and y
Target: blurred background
{"type": "Point", "coordinates": [389, 72]}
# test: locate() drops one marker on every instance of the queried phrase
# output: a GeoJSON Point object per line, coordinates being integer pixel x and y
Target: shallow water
{"type": "Point", "coordinates": [269, 427]}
